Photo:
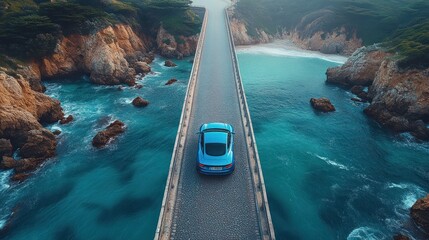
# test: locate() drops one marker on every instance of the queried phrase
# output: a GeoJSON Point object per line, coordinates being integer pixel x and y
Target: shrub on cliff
{"type": "Point", "coordinates": [413, 45]}
{"type": "Point", "coordinates": [74, 18]}
{"type": "Point", "coordinates": [28, 36]}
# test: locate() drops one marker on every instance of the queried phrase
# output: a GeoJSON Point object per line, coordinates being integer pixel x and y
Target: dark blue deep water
{"type": "Point", "coordinates": [328, 175]}
{"type": "Point", "coordinates": [112, 193]}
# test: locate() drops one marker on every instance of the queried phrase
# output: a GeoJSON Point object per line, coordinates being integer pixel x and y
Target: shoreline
{"type": "Point", "coordinates": [288, 48]}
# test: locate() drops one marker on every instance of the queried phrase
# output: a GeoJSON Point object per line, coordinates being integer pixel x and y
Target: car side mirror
{"type": "Point", "coordinates": [233, 132]}
{"type": "Point", "coordinates": [198, 133]}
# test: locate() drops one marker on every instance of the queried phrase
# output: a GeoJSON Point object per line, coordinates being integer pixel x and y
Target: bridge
{"type": "Point", "coordinates": [208, 207]}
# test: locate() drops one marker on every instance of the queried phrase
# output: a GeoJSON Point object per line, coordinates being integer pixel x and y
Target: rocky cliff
{"type": "Point", "coordinates": [399, 98]}
{"type": "Point", "coordinates": [170, 47]}
{"type": "Point", "coordinates": [307, 34]}
{"type": "Point", "coordinates": [22, 110]}
{"type": "Point", "coordinates": [109, 56]}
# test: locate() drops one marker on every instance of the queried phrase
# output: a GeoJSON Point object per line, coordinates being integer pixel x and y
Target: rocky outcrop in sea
{"type": "Point", "coordinates": [398, 97]}
{"type": "Point", "coordinates": [112, 131]}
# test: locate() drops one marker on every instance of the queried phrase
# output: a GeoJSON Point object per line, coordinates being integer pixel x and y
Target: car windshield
{"type": "Point", "coordinates": [215, 149]}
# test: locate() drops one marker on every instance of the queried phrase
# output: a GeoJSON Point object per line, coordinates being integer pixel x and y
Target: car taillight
{"type": "Point", "coordinates": [228, 166]}
{"type": "Point", "coordinates": [201, 165]}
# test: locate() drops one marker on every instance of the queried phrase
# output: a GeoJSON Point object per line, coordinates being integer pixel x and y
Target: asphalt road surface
{"type": "Point", "coordinates": [215, 207]}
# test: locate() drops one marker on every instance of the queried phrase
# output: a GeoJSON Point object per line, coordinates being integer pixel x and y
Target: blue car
{"type": "Point", "coordinates": [215, 149]}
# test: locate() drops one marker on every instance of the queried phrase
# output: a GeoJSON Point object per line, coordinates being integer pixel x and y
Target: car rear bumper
{"type": "Point", "coordinates": [206, 171]}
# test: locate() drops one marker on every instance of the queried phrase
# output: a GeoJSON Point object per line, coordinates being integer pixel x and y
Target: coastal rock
{"type": "Point", "coordinates": [31, 73]}
{"type": "Point", "coordinates": [359, 91]}
{"type": "Point", "coordinates": [170, 48]}
{"type": "Point", "coordinates": [171, 81]}
{"type": "Point", "coordinates": [103, 55]}
{"type": "Point", "coordinates": [28, 165]}
{"type": "Point", "coordinates": [138, 86]}
{"type": "Point", "coordinates": [20, 177]}
{"type": "Point", "coordinates": [111, 131]}
{"type": "Point", "coordinates": [400, 97]}
{"type": "Point", "coordinates": [56, 132]}
{"type": "Point", "coordinates": [359, 69]}
{"type": "Point", "coordinates": [8, 163]}
{"type": "Point", "coordinates": [241, 35]}
{"type": "Point", "coordinates": [322, 104]}
{"type": "Point", "coordinates": [16, 92]}
{"type": "Point", "coordinates": [40, 143]}
{"type": "Point", "coordinates": [420, 213]}
{"type": "Point", "coordinates": [140, 102]}
{"type": "Point", "coordinates": [169, 63]}
{"type": "Point", "coordinates": [66, 120]}
{"type": "Point", "coordinates": [142, 67]}
{"type": "Point", "coordinates": [6, 148]}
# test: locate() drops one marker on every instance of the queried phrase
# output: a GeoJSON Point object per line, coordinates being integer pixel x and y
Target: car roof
{"type": "Point", "coordinates": [216, 125]}
{"type": "Point", "coordinates": [215, 137]}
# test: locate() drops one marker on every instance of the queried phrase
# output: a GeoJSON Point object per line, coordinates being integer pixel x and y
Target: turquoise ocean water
{"type": "Point", "coordinates": [328, 176]}
{"type": "Point", "coordinates": [112, 193]}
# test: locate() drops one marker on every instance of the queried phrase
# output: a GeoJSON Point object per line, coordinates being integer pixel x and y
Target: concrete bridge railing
{"type": "Point", "coordinates": [163, 229]}
{"type": "Point", "coordinates": [263, 209]}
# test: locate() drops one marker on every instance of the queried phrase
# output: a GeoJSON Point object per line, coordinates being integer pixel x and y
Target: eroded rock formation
{"type": "Point", "coordinates": [322, 104]}
{"type": "Point", "coordinates": [111, 131]}
{"type": "Point", "coordinates": [420, 213]}
{"type": "Point", "coordinates": [399, 97]}
{"type": "Point", "coordinates": [140, 102]}
{"type": "Point", "coordinates": [171, 47]}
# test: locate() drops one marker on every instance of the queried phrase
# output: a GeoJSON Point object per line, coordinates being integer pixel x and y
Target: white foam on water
{"type": "Point", "coordinates": [2, 223]}
{"type": "Point", "coordinates": [331, 162]}
{"type": "Point", "coordinates": [4, 180]}
{"type": "Point", "coordinates": [409, 193]}
{"type": "Point", "coordinates": [366, 233]}
{"type": "Point", "coordinates": [125, 100]}
{"type": "Point", "coordinates": [287, 48]}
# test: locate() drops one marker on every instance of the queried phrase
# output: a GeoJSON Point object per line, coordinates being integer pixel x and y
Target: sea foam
{"type": "Point", "coordinates": [330, 162]}
{"type": "Point", "coordinates": [366, 233]}
{"type": "Point", "coordinates": [287, 48]}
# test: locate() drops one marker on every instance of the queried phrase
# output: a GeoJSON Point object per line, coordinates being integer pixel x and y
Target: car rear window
{"type": "Point", "coordinates": [215, 149]}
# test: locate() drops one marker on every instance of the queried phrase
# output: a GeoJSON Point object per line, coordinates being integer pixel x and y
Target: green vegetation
{"type": "Point", "coordinates": [413, 44]}
{"type": "Point", "coordinates": [32, 28]}
{"type": "Point", "coordinates": [373, 21]}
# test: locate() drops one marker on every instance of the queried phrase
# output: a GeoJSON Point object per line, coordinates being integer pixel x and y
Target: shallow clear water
{"type": "Point", "coordinates": [328, 175]}
{"type": "Point", "coordinates": [112, 193]}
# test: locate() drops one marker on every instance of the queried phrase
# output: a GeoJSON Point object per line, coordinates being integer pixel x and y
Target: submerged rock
{"type": "Point", "coordinates": [322, 104]}
{"type": "Point", "coordinates": [420, 213]}
{"type": "Point", "coordinates": [400, 237]}
{"type": "Point", "coordinates": [140, 102]}
{"type": "Point", "coordinates": [138, 86]}
{"type": "Point", "coordinates": [169, 63]}
{"type": "Point", "coordinates": [56, 132]}
{"type": "Point", "coordinates": [111, 131]}
{"type": "Point", "coordinates": [66, 120]}
{"type": "Point", "coordinates": [6, 148]}
{"type": "Point", "coordinates": [171, 81]}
